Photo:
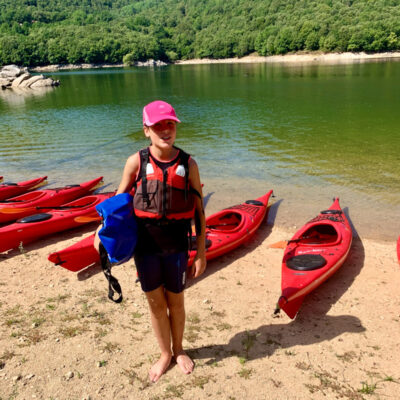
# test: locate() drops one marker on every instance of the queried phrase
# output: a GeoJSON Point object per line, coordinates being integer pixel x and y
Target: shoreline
{"type": "Point", "coordinates": [297, 58]}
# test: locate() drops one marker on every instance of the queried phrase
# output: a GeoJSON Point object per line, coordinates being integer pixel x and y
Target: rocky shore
{"type": "Point", "coordinates": [14, 77]}
{"type": "Point", "coordinates": [64, 67]}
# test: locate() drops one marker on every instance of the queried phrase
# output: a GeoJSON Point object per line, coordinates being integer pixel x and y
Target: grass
{"type": "Point", "coordinates": [367, 388]}
{"type": "Point", "coordinates": [248, 342]}
{"type": "Point", "coordinates": [303, 366]}
{"type": "Point", "coordinates": [245, 373]}
{"type": "Point", "coordinates": [200, 381]}
{"type": "Point", "coordinates": [348, 356]}
{"type": "Point", "coordinates": [110, 347]}
{"type": "Point", "coordinates": [192, 330]}
{"type": "Point", "coordinates": [223, 326]}
{"type": "Point", "coordinates": [173, 391]}
{"type": "Point", "coordinates": [72, 331]}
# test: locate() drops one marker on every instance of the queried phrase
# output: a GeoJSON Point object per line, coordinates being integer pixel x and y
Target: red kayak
{"type": "Point", "coordinates": [8, 189]}
{"type": "Point", "coordinates": [315, 252]}
{"type": "Point", "coordinates": [398, 249]}
{"type": "Point", "coordinates": [26, 204]}
{"type": "Point", "coordinates": [36, 226]}
{"type": "Point", "coordinates": [226, 230]}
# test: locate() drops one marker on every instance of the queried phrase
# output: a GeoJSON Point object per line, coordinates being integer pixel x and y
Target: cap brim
{"type": "Point", "coordinates": [162, 119]}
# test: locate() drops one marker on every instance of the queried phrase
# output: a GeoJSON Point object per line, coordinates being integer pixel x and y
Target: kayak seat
{"type": "Point", "coordinates": [9, 184]}
{"type": "Point", "coordinates": [321, 235]}
{"type": "Point", "coordinates": [228, 222]}
{"type": "Point", "coordinates": [306, 262]}
{"type": "Point", "coordinates": [35, 218]}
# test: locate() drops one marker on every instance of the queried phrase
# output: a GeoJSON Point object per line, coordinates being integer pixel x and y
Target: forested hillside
{"type": "Point", "coordinates": [38, 32]}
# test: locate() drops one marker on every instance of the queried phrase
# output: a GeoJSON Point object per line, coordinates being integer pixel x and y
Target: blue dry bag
{"type": "Point", "coordinates": [119, 232]}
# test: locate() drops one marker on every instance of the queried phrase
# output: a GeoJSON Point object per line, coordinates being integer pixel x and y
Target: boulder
{"type": "Point", "coordinates": [44, 83]}
{"type": "Point", "coordinates": [30, 81]}
{"type": "Point", "coordinates": [4, 83]}
{"type": "Point", "coordinates": [11, 71]}
{"type": "Point", "coordinates": [17, 81]}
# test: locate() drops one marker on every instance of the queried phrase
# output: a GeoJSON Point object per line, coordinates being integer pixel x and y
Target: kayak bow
{"type": "Point", "coordinates": [9, 189]}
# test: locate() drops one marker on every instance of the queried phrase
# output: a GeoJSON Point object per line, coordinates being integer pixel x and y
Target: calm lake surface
{"type": "Point", "coordinates": [310, 132]}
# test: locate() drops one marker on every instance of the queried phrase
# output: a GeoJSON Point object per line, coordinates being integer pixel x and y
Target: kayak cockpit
{"type": "Point", "coordinates": [27, 197]}
{"type": "Point", "coordinates": [320, 235]}
{"type": "Point", "coordinates": [83, 202]}
{"type": "Point", "coordinates": [226, 221]}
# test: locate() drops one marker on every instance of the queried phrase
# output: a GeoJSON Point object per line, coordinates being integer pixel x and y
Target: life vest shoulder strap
{"type": "Point", "coordinates": [144, 156]}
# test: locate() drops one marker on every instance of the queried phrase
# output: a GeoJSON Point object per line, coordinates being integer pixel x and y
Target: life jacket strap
{"type": "Point", "coordinates": [144, 160]}
{"type": "Point", "coordinates": [113, 284]}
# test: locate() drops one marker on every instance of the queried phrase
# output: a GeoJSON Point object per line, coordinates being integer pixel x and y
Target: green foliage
{"type": "Point", "coordinates": [37, 32]}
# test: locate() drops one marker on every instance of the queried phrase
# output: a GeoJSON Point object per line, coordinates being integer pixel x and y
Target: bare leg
{"type": "Point", "coordinates": [162, 330]}
{"type": "Point", "coordinates": [177, 321]}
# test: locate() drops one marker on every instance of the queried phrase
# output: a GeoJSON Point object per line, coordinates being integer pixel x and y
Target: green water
{"type": "Point", "coordinates": [310, 132]}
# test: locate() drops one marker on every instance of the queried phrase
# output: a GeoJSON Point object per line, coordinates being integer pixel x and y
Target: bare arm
{"type": "Point", "coordinates": [200, 262]}
{"type": "Point", "coordinates": [129, 175]}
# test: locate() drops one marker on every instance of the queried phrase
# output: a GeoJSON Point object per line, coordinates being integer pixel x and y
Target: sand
{"type": "Point", "coordinates": [292, 58]}
{"type": "Point", "coordinates": [61, 338]}
{"type": "Point", "coordinates": [300, 58]}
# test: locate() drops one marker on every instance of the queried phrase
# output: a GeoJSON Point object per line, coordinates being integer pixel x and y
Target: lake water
{"type": "Point", "coordinates": [310, 132]}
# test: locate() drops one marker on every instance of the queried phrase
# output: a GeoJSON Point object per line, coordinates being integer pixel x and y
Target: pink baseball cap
{"type": "Point", "coordinates": [157, 111]}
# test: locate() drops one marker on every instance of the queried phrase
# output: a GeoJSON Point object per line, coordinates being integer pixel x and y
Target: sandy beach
{"type": "Point", "coordinates": [61, 338]}
{"type": "Point", "coordinates": [297, 58]}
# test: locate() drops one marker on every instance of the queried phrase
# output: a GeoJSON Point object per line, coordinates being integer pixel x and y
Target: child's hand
{"type": "Point", "coordinates": [198, 266]}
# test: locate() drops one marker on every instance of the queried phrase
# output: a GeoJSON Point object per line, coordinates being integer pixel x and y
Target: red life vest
{"type": "Point", "coordinates": [163, 194]}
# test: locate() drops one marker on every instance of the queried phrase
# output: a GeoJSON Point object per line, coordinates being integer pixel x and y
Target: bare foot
{"type": "Point", "coordinates": [185, 362]}
{"type": "Point", "coordinates": [159, 367]}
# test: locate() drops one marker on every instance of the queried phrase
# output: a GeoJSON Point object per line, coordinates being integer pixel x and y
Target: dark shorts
{"type": "Point", "coordinates": [169, 270]}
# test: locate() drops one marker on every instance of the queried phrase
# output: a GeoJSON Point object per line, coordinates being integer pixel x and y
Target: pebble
{"type": "Point", "coordinates": [69, 375]}
{"type": "Point", "coordinates": [16, 378]}
{"type": "Point", "coordinates": [30, 376]}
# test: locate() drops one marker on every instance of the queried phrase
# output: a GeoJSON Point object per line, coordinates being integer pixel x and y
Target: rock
{"type": "Point", "coordinates": [44, 83]}
{"type": "Point", "coordinates": [16, 82]}
{"type": "Point", "coordinates": [69, 375]}
{"type": "Point", "coordinates": [28, 82]}
{"type": "Point", "coordinates": [5, 82]}
{"type": "Point", "coordinates": [16, 77]}
{"type": "Point", "coordinates": [11, 71]}
{"type": "Point", "coordinates": [151, 63]}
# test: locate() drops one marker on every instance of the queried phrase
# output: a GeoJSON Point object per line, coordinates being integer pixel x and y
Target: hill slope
{"type": "Point", "coordinates": [38, 32]}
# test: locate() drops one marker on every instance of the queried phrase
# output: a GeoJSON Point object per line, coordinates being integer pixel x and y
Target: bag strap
{"type": "Point", "coordinates": [113, 284]}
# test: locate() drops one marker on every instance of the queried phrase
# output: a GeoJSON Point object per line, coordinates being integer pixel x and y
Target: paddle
{"type": "Point", "coordinates": [84, 219]}
{"type": "Point", "coordinates": [283, 243]}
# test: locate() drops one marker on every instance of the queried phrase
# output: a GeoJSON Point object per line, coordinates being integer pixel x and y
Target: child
{"type": "Point", "coordinates": [167, 197]}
